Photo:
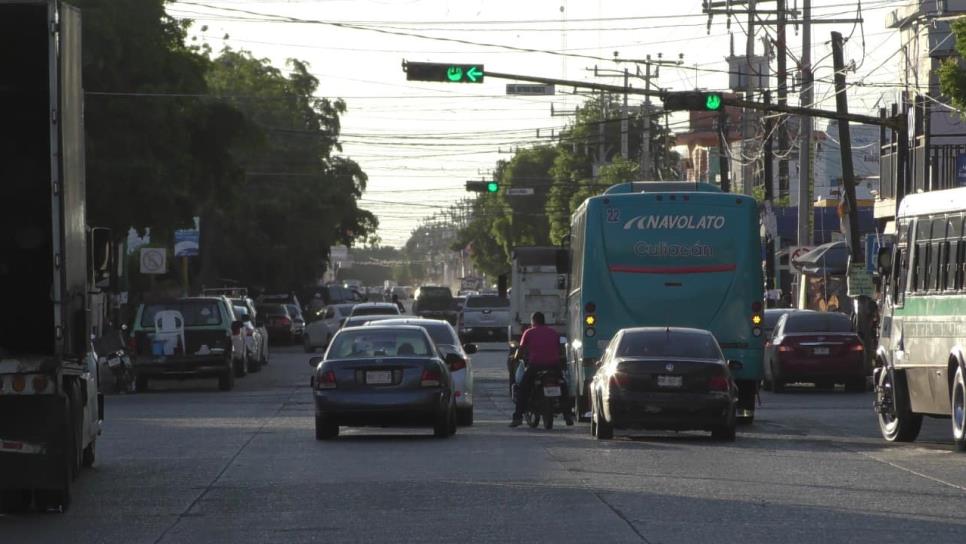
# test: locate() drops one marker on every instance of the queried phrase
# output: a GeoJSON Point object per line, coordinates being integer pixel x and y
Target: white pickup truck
{"type": "Point", "coordinates": [484, 318]}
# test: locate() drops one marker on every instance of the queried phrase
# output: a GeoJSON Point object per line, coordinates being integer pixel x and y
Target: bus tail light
{"type": "Point", "coordinates": [590, 319]}
{"type": "Point", "coordinates": [757, 318]}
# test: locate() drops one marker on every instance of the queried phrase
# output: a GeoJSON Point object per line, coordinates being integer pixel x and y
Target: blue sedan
{"type": "Point", "coordinates": [383, 376]}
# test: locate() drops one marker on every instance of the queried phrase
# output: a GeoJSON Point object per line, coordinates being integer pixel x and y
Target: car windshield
{"type": "Point", "coordinates": [375, 310]}
{"type": "Point", "coordinates": [663, 343]}
{"type": "Point", "coordinates": [818, 322]}
{"type": "Point", "coordinates": [487, 301]}
{"type": "Point", "coordinates": [380, 342]}
{"type": "Point", "coordinates": [196, 313]}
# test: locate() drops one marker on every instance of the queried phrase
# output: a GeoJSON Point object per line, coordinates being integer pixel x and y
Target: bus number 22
{"type": "Point", "coordinates": [613, 215]}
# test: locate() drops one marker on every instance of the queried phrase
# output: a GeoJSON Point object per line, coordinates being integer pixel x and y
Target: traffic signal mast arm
{"type": "Point", "coordinates": [895, 123]}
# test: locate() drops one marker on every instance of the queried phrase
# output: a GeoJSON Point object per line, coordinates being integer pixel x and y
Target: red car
{"type": "Point", "coordinates": [815, 347]}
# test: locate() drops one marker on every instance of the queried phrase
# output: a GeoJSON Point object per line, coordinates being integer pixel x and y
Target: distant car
{"type": "Point", "coordinates": [383, 376]}
{"type": "Point", "coordinates": [298, 321]}
{"type": "Point", "coordinates": [669, 378]}
{"type": "Point", "coordinates": [815, 347]}
{"type": "Point", "coordinates": [460, 301]}
{"type": "Point", "coordinates": [375, 308]}
{"type": "Point", "coordinates": [279, 322]}
{"type": "Point", "coordinates": [323, 324]}
{"type": "Point", "coordinates": [435, 302]}
{"type": "Point", "coordinates": [772, 315]}
{"type": "Point", "coordinates": [485, 318]}
{"type": "Point", "coordinates": [206, 349]}
{"type": "Point", "coordinates": [447, 341]}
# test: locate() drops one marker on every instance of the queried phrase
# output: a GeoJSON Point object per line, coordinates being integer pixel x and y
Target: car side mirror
{"type": "Point", "coordinates": [452, 359]}
{"type": "Point", "coordinates": [314, 361]}
{"type": "Point", "coordinates": [735, 365]}
{"type": "Point", "coordinates": [470, 349]}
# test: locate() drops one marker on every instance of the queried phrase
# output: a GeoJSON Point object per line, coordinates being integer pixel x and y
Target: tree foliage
{"type": "Point", "coordinates": [952, 75]}
{"type": "Point", "coordinates": [174, 133]}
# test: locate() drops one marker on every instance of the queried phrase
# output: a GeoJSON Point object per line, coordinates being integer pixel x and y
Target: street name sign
{"type": "Point", "coordinates": [530, 89]}
{"type": "Point", "coordinates": [520, 191]}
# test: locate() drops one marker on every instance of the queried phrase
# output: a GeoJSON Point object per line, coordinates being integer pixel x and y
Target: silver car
{"type": "Point", "coordinates": [323, 324]}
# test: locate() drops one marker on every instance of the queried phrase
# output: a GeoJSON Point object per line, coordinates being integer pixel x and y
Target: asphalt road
{"type": "Point", "coordinates": [190, 464]}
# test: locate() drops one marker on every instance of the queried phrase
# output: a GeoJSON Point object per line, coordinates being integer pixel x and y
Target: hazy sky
{"type": "Point", "coordinates": [420, 142]}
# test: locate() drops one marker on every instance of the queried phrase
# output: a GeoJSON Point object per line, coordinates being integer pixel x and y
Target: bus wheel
{"type": "Point", "coordinates": [896, 422]}
{"type": "Point", "coordinates": [959, 410]}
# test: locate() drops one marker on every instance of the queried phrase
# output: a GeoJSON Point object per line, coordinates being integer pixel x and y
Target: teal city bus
{"type": "Point", "coordinates": [666, 254]}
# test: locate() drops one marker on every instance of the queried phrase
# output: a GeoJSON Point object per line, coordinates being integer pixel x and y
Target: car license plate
{"type": "Point", "coordinates": [670, 381]}
{"type": "Point", "coordinates": [821, 351]}
{"type": "Point", "coordinates": [552, 391]}
{"type": "Point", "coordinates": [380, 377]}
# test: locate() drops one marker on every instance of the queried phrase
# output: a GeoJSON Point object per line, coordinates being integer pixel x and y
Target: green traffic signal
{"type": "Point", "coordinates": [492, 187]}
{"type": "Point", "coordinates": [712, 102]}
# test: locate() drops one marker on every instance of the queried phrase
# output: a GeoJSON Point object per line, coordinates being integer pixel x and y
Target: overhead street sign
{"type": "Point", "coordinates": [530, 89]}
{"type": "Point", "coordinates": [520, 191]}
{"type": "Point", "coordinates": [449, 73]}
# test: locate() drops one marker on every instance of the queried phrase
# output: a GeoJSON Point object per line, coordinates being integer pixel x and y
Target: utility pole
{"type": "Point", "coordinates": [769, 197]}
{"type": "Point", "coordinates": [807, 127]}
{"type": "Point", "coordinates": [722, 150]}
{"type": "Point", "coordinates": [646, 161]}
{"type": "Point", "coordinates": [845, 146]}
{"type": "Point", "coordinates": [782, 98]}
{"type": "Point", "coordinates": [625, 121]}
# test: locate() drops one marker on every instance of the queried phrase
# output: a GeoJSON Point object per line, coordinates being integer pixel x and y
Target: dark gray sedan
{"type": "Point", "coordinates": [664, 378]}
{"type": "Point", "coordinates": [384, 376]}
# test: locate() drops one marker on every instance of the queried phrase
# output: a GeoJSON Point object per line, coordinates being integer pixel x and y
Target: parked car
{"type": "Point", "coordinates": [297, 320]}
{"type": "Point", "coordinates": [260, 330]}
{"type": "Point", "coordinates": [383, 376]}
{"type": "Point", "coordinates": [671, 378]}
{"type": "Point", "coordinates": [323, 324]}
{"type": "Point", "coordinates": [434, 302]}
{"type": "Point", "coordinates": [815, 347]}
{"type": "Point", "coordinates": [198, 339]}
{"type": "Point", "coordinates": [375, 308]}
{"type": "Point", "coordinates": [485, 318]}
{"type": "Point", "coordinates": [279, 322]}
{"type": "Point", "coordinates": [252, 339]}
{"type": "Point", "coordinates": [444, 336]}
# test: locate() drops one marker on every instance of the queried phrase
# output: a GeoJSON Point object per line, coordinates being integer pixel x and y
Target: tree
{"type": "Point", "coordinates": [952, 75]}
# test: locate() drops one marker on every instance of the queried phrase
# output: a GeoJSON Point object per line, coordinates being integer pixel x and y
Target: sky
{"type": "Point", "coordinates": [420, 142]}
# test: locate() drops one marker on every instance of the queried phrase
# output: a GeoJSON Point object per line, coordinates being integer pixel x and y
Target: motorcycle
{"type": "Point", "coordinates": [544, 401]}
{"type": "Point", "coordinates": [112, 353]}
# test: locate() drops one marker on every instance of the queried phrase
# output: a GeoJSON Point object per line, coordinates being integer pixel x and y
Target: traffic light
{"type": "Point", "coordinates": [449, 73]}
{"type": "Point", "coordinates": [483, 186]}
{"type": "Point", "coordinates": [693, 101]}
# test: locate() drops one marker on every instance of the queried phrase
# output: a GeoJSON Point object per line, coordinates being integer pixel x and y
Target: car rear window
{"type": "Point", "coordinates": [487, 302]}
{"type": "Point", "coordinates": [435, 292]}
{"type": "Point", "coordinates": [818, 322]}
{"type": "Point", "coordinates": [669, 344]}
{"type": "Point", "coordinates": [379, 342]}
{"type": "Point", "coordinates": [375, 310]}
{"type": "Point", "coordinates": [196, 313]}
{"type": "Point", "coordinates": [273, 309]}
{"type": "Point", "coordinates": [439, 333]}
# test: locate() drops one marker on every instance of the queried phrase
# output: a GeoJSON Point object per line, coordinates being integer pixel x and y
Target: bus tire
{"type": "Point", "coordinates": [958, 409]}
{"type": "Point", "coordinates": [897, 422]}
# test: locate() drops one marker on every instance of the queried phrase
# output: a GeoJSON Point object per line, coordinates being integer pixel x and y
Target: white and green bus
{"type": "Point", "coordinates": [921, 357]}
